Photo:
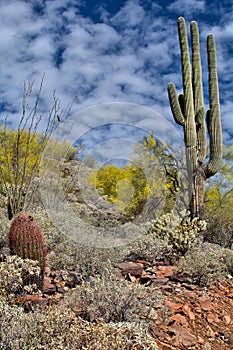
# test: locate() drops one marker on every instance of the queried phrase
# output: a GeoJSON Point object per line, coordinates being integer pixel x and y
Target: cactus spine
{"type": "Point", "coordinates": [26, 241]}
{"type": "Point", "coordinates": [188, 111]}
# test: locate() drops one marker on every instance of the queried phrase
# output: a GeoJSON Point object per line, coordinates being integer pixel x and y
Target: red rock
{"type": "Point", "coordinates": [47, 271]}
{"type": "Point", "coordinates": [166, 289]}
{"type": "Point", "coordinates": [32, 302]}
{"type": "Point", "coordinates": [167, 271]}
{"type": "Point", "coordinates": [154, 279]}
{"type": "Point", "coordinates": [230, 340]}
{"type": "Point", "coordinates": [178, 318]}
{"type": "Point", "coordinates": [212, 318]}
{"type": "Point", "coordinates": [160, 280]}
{"type": "Point", "coordinates": [210, 333]}
{"type": "Point", "coordinates": [198, 310]}
{"type": "Point", "coordinates": [66, 278]}
{"type": "Point", "coordinates": [200, 340]}
{"type": "Point", "coordinates": [184, 337]}
{"type": "Point", "coordinates": [180, 278]}
{"type": "Point", "coordinates": [143, 262]}
{"type": "Point", "coordinates": [173, 306]}
{"type": "Point", "coordinates": [206, 305]}
{"type": "Point", "coordinates": [227, 319]}
{"type": "Point", "coordinates": [135, 269]}
{"type": "Point", "coordinates": [188, 312]}
{"type": "Point", "coordinates": [48, 287]}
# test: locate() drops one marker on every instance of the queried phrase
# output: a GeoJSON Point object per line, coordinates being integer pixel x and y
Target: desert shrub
{"type": "Point", "coordinates": [228, 260]}
{"type": "Point", "coordinates": [69, 255]}
{"type": "Point", "coordinates": [220, 227]}
{"type": "Point", "coordinates": [17, 276]}
{"type": "Point", "coordinates": [59, 328]}
{"type": "Point", "coordinates": [50, 232]}
{"type": "Point", "coordinates": [150, 248]}
{"type": "Point", "coordinates": [4, 228]}
{"type": "Point", "coordinates": [110, 299]}
{"type": "Point", "coordinates": [204, 263]}
{"type": "Point", "coordinates": [90, 261]}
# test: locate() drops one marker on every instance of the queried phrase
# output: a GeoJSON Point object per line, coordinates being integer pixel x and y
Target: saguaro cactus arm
{"type": "Point", "coordinates": [213, 114]}
{"type": "Point", "coordinates": [198, 97]}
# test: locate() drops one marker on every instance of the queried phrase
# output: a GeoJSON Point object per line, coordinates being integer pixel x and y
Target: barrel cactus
{"type": "Point", "coordinates": [188, 111]}
{"type": "Point", "coordinates": [26, 241]}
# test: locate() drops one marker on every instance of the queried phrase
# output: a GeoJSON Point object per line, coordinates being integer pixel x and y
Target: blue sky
{"type": "Point", "coordinates": [108, 51]}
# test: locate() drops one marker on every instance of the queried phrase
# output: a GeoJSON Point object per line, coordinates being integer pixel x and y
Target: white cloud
{"type": "Point", "coordinates": [187, 7]}
{"type": "Point", "coordinates": [131, 56]}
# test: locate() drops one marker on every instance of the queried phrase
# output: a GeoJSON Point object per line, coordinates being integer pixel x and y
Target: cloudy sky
{"type": "Point", "coordinates": [108, 51]}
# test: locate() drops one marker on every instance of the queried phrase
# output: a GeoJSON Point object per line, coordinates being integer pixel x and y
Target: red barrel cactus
{"type": "Point", "coordinates": [26, 240]}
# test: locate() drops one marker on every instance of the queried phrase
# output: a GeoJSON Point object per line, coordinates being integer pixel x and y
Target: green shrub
{"type": "Point", "coordinates": [220, 227]}
{"type": "Point", "coordinates": [58, 328]}
{"type": "Point", "coordinates": [4, 228]}
{"type": "Point", "coordinates": [204, 263]}
{"type": "Point", "coordinates": [105, 298]}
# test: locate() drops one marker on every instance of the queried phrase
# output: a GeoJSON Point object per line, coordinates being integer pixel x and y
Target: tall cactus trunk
{"type": "Point", "coordinates": [188, 111]}
{"type": "Point", "coordinates": [196, 205]}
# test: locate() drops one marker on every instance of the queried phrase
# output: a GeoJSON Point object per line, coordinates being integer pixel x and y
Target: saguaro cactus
{"type": "Point", "coordinates": [188, 111]}
{"type": "Point", "coordinates": [26, 241]}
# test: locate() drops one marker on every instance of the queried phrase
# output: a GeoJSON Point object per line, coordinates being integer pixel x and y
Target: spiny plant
{"type": "Point", "coordinates": [21, 148]}
{"type": "Point", "coordinates": [188, 111]}
{"type": "Point", "coordinates": [26, 241]}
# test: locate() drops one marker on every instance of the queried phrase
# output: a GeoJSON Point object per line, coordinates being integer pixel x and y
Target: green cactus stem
{"type": "Point", "coordinates": [188, 111]}
{"type": "Point", "coordinates": [26, 241]}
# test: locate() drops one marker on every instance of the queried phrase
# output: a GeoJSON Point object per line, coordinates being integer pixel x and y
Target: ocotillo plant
{"type": "Point", "coordinates": [188, 111]}
{"type": "Point", "coordinates": [26, 240]}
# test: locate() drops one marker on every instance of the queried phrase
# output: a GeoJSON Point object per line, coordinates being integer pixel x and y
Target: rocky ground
{"type": "Point", "coordinates": [190, 317]}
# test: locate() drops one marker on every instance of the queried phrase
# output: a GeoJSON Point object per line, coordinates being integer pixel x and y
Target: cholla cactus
{"type": "Point", "coordinates": [188, 111]}
{"type": "Point", "coordinates": [26, 240]}
{"type": "Point", "coordinates": [16, 275]}
{"type": "Point", "coordinates": [182, 235]}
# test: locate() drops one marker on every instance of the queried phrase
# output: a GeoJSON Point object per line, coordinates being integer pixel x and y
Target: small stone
{"type": "Point", "coordinates": [212, 317]}
{"type": "Point", "coordinates": [32, 302]}
{"type": "Point", "coordinates": [48, 287]}
{"type": "Point", "coordinates": [200, 340]}
{"type": "Point", "coordinates": [184, 337]}
{"type": "Point", "coordinates": [188, 312]}
{"type": "Point", "coordinates": [160, 280]}
{"type": "Point", "coordinates": [207, 346]}
{"type": "Point", "coordinates": [210, 333]}
{"type": "Point", "coordinates": [167, 271]}
{"type": "Point", "coordinates": [178, 318]}
{"type": "Point", "coordinates": [206, 305]}
{"type": "Point", "coordinates": [227, 319]}
{"type": "Point", "coordinates": [73, 279]}
{"type": "Point", "coordinates": [132, 278]}
{"type": "Point", "coordinates": [180, 278]}
{"type": "Point", "coordinates": [143, 262]}
{"type": "Point", "coordinates": [198, 310]}
{"type": "Point", "coordinates": [154, 279]}
{"type": "Point", "coordinates": [135, 269]}
{"type": "Point", "coordinates": [173, 306]}
{"type": "Point", "coordinates": [166, 288]}
{"type": "Point", "coordinates": [47, 271]}
{"type": "Point", "coordinates": [230, 340]}
{"type": "Point", "coordinates": [61, 290]}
